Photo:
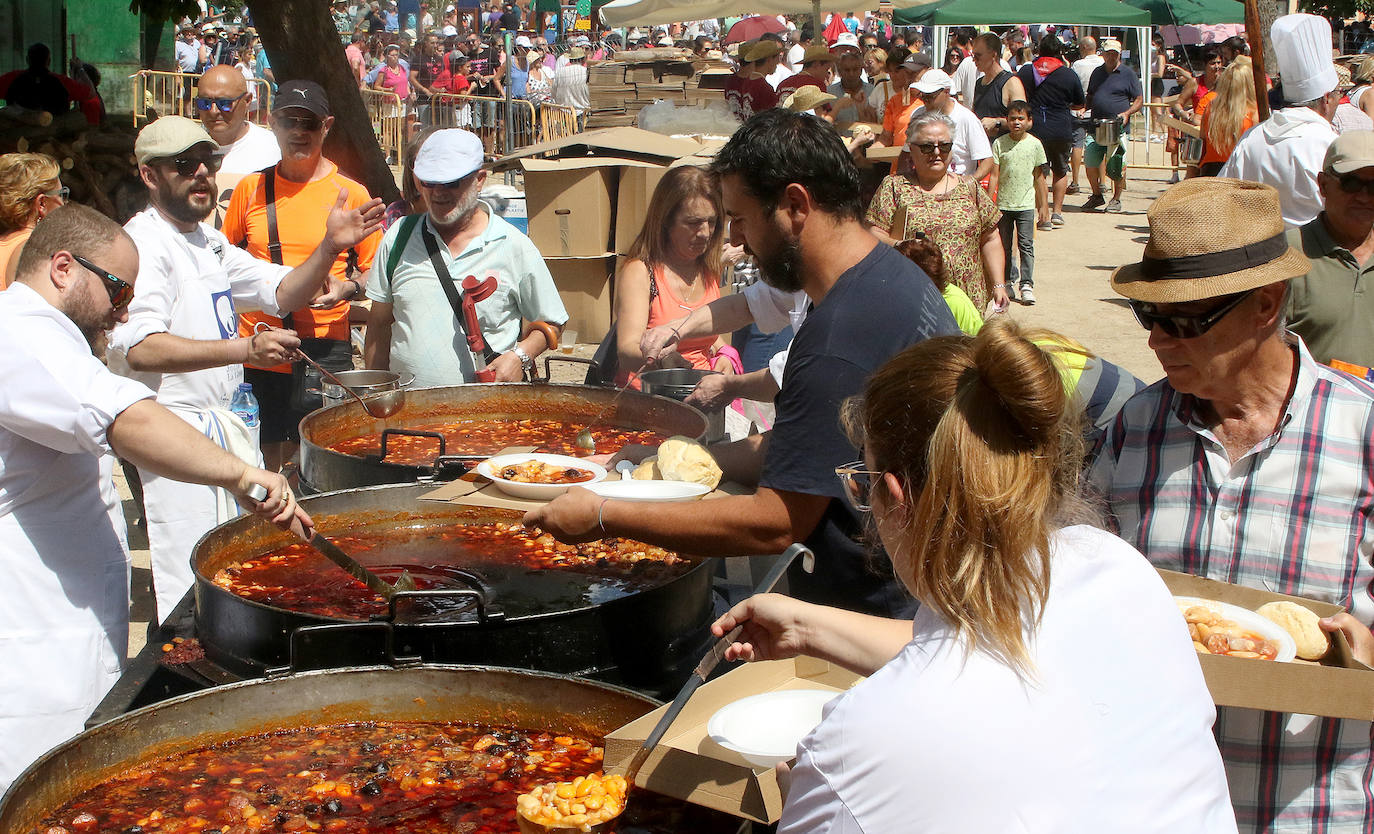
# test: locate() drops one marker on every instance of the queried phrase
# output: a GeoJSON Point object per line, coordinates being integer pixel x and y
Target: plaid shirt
{"type": "Point", "coordinates": [1293, 516]}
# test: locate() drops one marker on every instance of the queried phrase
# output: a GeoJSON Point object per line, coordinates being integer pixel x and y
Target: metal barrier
{"type": "Point", "coordinates": [489, 118]}
{"type": "Point", "coordinates": [557, 122]}
{"type": "Point", "coordinates": [157, 93]}
{"type": "Point", "coordinates": [389, 118]}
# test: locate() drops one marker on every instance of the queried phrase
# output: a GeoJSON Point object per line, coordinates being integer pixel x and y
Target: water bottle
{"type": "Point", "coordinates": [245, 405]}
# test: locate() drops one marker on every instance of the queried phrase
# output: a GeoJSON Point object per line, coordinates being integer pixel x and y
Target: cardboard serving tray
{"type": "Point", "coordinates": [688, 765]}
{"type": "Point", "coordinates": [1338, 686]}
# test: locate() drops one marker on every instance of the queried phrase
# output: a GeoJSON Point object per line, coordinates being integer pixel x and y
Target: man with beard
{"type": "Point", "coordinates": [181, 338]}
{"type": "Point", "coordinates": [286, 206]}
{"type": "Point", "coordinates": [791, 192]}
{"type": "Point", "coordinates": [415, 326]}
{"type": "Point", "coordinates": [64, 627]}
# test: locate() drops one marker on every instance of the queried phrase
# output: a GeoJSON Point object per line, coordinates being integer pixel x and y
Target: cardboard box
{"type": "Point", "coordinates": [569, 204]}
{"type": "Point", "coordinates": [587, 290]}
{"type": "Point", "coordinates": [1339, 687]}
{"type": "Point", "coordinates": [630, 143]}
{"type": "Point", "coordinates": [688, 765]}
{"type": "Point", "coordinates": [633, 194]}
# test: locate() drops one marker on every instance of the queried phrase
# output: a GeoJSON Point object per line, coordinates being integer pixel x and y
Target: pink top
{"type": "Point", "coordinates": [397, 80]}
{"type": "Point", "coordinates": [664, 306]}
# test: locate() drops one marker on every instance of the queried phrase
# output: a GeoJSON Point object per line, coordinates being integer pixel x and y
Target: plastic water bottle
{"type": "Point", "coordinates": [245, 405]}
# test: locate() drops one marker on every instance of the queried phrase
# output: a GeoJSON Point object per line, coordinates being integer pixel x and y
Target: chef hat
{"type": "Point", "coordinates": [1302, 45]}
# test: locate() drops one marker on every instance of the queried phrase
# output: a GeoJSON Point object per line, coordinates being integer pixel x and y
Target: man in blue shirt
{"type": "Point", "coordinates": [1113, 90]}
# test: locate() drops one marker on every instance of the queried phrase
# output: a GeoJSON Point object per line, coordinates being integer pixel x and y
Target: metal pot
{"type": "Point", "coordinates": [361, 383]}
{"type": "Point", "coordinates": [649, 638]}
{"type": "Point", "coordinates": [1108, 131]}
{"type": "Point", "coordinates": [507, 697]}
{"type": "Point", "coordinates": [323, 469]}
{"type": "Point", "coordinates": [678, 383]}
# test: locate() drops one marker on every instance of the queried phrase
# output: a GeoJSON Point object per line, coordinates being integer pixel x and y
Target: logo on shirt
{"type": "Point", "coordinates": [225, 317]}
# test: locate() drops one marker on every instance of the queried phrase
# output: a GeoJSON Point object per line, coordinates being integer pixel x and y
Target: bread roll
{"type": "Point", "coordinates": [1300, 622]}
{"type": "Point", "coordinates": [647, 471]}
{"type": "Point", "coordinates": [683, 459]}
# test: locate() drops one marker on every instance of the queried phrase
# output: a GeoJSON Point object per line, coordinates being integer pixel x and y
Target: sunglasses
{"type": "Point", "coordinates": [62, 193]}
{"type": "Point", "coordinates": [121, 291]}
{"type": "Point", "coordinates": [1352, 184]}
{"type": "Point", "coordinates": [929, 148]}
{"type": "Point", "coordinates": [306, 123]}
{"type": "Point", "coordinates": [188, 166]}
{"type": "Point", "coordinates": [858, 484]}
{"type": "Point", "coordinates": [1184, 327]}
{"type": "Point", "coordinates": [223, 105]}
{"type": "Point", "coordinates": [436, 186]}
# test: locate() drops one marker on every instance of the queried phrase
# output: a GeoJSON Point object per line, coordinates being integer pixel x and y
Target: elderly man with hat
{"type": "Point", "coordinates": [1287, 149]}
{"type": "Point", "coordinates": [417, 325]}
{"type": "Point", "coordinates": [1332, 307]}
{"type": "Point", "coordinates": [182, 339]}
{"type": "Point", "coordinates": [1249, 463]}
{"type": "Point", "coordinates": [817, 63]}
{"type": "Point", "coordinates": [748, 91]}
{"type": "Point", "coordinates": [570, 87]}
{"type": "Point", "coordinates": [1114, 93]}
{"type": "Point", "coordinates": [972, 154]}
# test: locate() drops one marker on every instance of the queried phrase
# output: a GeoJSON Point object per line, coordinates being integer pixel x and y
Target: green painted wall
{"type": "Point", "coordinates": [109, 36]}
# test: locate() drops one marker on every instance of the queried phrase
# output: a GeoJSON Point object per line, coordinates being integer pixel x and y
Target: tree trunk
{"type": "Point", "coordinates": [303, 44]}
{"type": "Point", "coordinates": [1269, 11]}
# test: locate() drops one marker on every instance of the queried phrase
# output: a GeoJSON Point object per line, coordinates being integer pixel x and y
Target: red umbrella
{"type": "Point", "coordinates": [750, 28]}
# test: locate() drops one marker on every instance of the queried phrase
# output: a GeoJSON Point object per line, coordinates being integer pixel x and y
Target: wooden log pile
{"type": "Point", "coordinates": [97, 162]}
{"type": "Point", "coordinates": [620, 88]}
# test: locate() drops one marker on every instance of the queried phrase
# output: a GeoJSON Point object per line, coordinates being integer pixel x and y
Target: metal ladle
{"type": "Point", "coordinates": [387, 402]}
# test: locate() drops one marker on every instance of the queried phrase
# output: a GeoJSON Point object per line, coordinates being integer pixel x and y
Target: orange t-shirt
{"type": "Point", "coordinates": [666, 306]}
{"type": "Point", "coordinates": [302, 211]}
{"type": "Point", "coordinates": [896, 115]}
{"type": "Point", "coordinates": [1209, 153]}
{"type": "Point", "coordinates": [10, 245]}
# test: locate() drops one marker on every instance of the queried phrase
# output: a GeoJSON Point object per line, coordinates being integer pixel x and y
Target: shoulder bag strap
{"type": "Point", "coordinates": [269, 189]}
{"type": "Point", "coordinates": [398, 245]}
{"type": "Point", "coordinates": [436, 259]}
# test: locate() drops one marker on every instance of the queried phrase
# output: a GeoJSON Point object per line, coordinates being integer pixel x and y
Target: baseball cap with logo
{"type": "Point", "coordinates": [917, 61]}
{"type": "Point", "coordinates": [448, 155]}
{"type": "Point", "coordinates": [168, 136]}
{"type": "Point", "coordinates": [1109, 45]}
{"type": "Point", "coordinates": [306, 94]}
{"type": "Point", "coordinates": [933, 82]}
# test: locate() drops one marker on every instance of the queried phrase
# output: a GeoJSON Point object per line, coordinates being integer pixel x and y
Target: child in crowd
{"type": "Point", "coordinates": [924, 253]}
{"type": "Point", "coordinates": [1018, 178]}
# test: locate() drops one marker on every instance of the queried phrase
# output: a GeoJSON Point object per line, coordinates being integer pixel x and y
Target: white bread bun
{"type": "Point", "coordinates": [647, 470]}
{"type": "Point", "coordinates": [1302, 623]}
{"type": "Point", "coordinates": [683, 459]}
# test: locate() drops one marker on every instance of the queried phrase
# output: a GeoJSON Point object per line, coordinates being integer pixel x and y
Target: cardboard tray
{"type": "Point", "coordinates": [1338, 687]}
{"type": "Point", "coordinates": [688, 765]}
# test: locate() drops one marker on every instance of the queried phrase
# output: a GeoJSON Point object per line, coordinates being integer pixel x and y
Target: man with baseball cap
{"type": "Point", "coordinates": [1330, 307]}
{"type": "Point", "coordinates": [1287, 149]}
{"type": "Point", "coordinates": [748, 91]}
{"type": "Point", "coordinates": [278, 214]}
{"type": "Point", "coordinates": [1114, 92]}
{"type": "Point", "coordinates": [972, 154]}
{"type": "Point", "coordinates": [416, 324]}
{"type": "Point", "coordinates": [181, 338]}
{"type": "Point", "coordinates": [1249, 464]}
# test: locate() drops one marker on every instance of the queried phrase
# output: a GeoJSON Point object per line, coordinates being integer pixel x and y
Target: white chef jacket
{"type": "Point", "coordinates": [192, 285]}
{"type": "Point", "coordinates": [971, 144]}
{"type": "Point", "coordinates": [1286, 151]}
{"type": "Point", "coordinates": [64, 625]}
{"type": "Point", "coordinates": [1114, 733]}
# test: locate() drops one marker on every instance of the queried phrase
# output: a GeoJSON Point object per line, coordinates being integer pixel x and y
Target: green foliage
{"type": "Point", "coordinates": [164, 10]}
{"type": "Point", "coordinates": [1336, 10]}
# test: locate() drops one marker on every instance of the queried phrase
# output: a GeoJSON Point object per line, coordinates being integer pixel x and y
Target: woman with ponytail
{"type": "Point", "coordinates": [1048, 682]}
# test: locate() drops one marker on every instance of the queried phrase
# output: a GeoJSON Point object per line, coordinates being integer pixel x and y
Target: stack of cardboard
{"type": "Point", "coordinates": [621, 88]}
{"type": "Point", "coordinates": [586, 197]}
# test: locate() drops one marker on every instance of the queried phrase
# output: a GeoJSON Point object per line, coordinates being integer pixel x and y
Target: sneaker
{"type": "Point", "coordinates": [1027, 294]}
{"type": "Point", "coordinates": [1072, 189]}
{"type": "Point", "coordinates": [1093, 202]}
{"type": "Point", "coordinates": [1113, 207]}
{"type": "Point", "coordinates": [1056, 219]}
{"type": "Point", "coordinates": [1044, 225]}
{"type": "Point", "coordinates": [1011, 290]}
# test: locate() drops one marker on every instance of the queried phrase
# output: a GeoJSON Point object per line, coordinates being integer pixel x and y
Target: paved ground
{"type": "Point", "coordinates": [1072, 272]}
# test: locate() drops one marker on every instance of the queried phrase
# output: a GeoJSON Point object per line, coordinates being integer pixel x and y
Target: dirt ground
{"type": "Point", "coordinates": [1073, 267]}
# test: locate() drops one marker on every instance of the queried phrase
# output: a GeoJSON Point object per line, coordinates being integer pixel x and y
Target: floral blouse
{"type": "Point", "coordinates": [955, 221]}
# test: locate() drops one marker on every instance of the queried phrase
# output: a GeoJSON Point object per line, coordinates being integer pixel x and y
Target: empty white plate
{"type": "Point", "coordinates": [765, 729]}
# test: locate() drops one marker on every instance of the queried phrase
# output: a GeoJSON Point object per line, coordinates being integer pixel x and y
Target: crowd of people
{"type": "Point", "coordinates": [986, 502]}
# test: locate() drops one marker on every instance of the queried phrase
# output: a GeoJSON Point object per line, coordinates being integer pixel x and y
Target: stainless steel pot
{"type": "Point", "coordinates": [1108, 132]}
{"type": "Point", "coordinates": [677, 384]}
{"type": "Point", "coordinates": [361, 383]}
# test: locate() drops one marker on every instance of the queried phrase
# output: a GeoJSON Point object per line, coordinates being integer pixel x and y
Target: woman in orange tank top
{"type": "Point", "coordinates": [672, 268]}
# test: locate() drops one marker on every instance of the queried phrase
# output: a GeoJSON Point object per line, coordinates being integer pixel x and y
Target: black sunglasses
{"type": "Point", "coordinates": [1352, 184]}
{"type": "Point", "coordinates": [1184, 327]}
{"type": "Point", "coordinates": [928, 148]}
{"type": "Point", "coordinates": [306, 123]}
{"type": "Point", "coordinates": [224, 105]}
{"type": "Point", "coordinates": [450, 184]}
{"type": "Point", "coordinates": [121, 291]}
{"type": "Point", "coordinates": [187, 166]}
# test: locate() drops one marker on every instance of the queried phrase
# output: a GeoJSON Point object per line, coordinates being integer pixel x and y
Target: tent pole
{"type": "Point", "coordinates": [1255, 35]}
{"type": "Point", "coordinates": [816, 26]}
{"type": "Point", "coordinates": [1142, 34]}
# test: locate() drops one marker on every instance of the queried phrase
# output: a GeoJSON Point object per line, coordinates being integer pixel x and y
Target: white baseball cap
{"type": "Point", "coordinates": [848, 39]}
{"type": "Point", "coordinates": [933, 82]}
{"type": "Point", "coordinates": [448, 155]}
{"type": "Point", "coordinates": [524, 42]}
{"type": "Point", "coordinates": [1109, 45]}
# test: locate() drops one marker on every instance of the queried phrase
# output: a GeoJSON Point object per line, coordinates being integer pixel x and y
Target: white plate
{"type": "Point", "coordinates": [632, 490]}
{"type": "Point", "coordinates": [765, 729]}
{"type": "Point", "coordinates": [539, 492]}
{"type": "Point", "coordinates": [1248, 619]}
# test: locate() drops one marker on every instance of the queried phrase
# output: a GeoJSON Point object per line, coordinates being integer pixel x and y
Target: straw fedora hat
{"type": "Point", "coordinates": [807, 98]}
{"type": "Point", "coordinates": [761, 50]}
{"type": "Point", "coordinates": [1210, 237]}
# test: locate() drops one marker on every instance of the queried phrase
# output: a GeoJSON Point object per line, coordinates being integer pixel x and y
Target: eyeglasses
{"type": "Point", "coordinates": [1352, 184]}
{"type": "Point", "coordinates": [121, 291]}
{"type": "Point", "coordinates": [62, 193]}
{"type": "Point", "coordinates": [858, 484]}
{"type": "Point", "coordinates": [929, 148]}
{"type": "Point", "coordinates": [306, 123]}
{"type": "Point", "coordinates": [223, 105]}
{"type": "Point", "coordinates": [188, 166]}
{"type": "Point", "coordinates": [1184, 327]}
{"type": "Point", "coordinates": [436, 186]}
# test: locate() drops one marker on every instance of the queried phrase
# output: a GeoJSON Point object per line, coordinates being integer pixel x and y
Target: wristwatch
{"type": "Point", "coordinates": [357, 289]}
{"type": "Point", "coordinates": [526, 363]}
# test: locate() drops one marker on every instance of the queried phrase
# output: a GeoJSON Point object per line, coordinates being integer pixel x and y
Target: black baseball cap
{"type": "Point", "coordinates": [305, 94]}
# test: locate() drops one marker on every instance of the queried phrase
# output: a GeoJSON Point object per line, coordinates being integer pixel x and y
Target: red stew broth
{"type": "Point", "coordinates": [487, 437]}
